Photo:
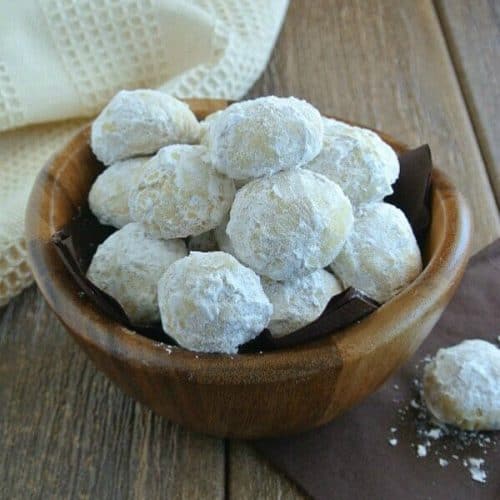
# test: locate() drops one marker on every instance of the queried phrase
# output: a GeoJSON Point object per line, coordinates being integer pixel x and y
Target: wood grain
{"type": "Point", "coordinates": [247, 468]}
{"type": "Point", "coordinates": [472, 31]}
{"type": "Point", "coordinates": [67, 432]}
{"type": "Point", "coordinates": [386, 64]}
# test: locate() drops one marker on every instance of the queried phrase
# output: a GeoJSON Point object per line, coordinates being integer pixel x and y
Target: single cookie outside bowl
{"type": "Point", "coordinates": [462, 385]}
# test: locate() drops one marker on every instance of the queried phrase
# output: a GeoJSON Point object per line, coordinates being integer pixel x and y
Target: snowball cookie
{"type": "Point", "coordinates": [204, 242]}
{"type": "Point", "coordinates": [358, 160]}
{"type": "Point", "coordinates": [299, 301]}
{"type": "Point", "coordinates": [140, 122]}
{"type": "Point", "coordinates": [222, 238]}
{"type": "Point", "coordinates": [127, 266]}
{"type": "Point", "coordinates": [462, 385]}
{"type": "Point", "coordinates": [180, 194]}
{"type": "Point", "coordinates": [108, 197]}
{"type": "Point", "coordinates": [210, 302]}
{"type": "Point", "coordinates": [204, 126]}
{"type": "Point", "coordinates": [381, 255]}
{"type": "Point", "coordinates": [265, 135]}
{"type": "Point", "coordinates": [289, 224]}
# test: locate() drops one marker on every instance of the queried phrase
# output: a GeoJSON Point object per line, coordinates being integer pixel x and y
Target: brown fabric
{"type": "Point", "coordinates": [351, 457]}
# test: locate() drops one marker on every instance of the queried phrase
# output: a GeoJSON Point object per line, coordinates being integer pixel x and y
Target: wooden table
{"type": "Point", "coordinates": [423, 72]}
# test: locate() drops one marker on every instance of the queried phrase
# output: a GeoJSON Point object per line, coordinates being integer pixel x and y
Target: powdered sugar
{"type": "Point", "coordinates": [140, 122]}
{"type": "Point", "coordinates": [381, 255]}
{"type": "Point", "coordinates": [263, 136]}
{"type": "Point", "coordinates": [462, 385]}
{"type": "Point", "coordinates": [358, 160]}
{"type": "Point", "coordinates": [210, 302]}
{"type": "Point", "coordinates": [475, 469]}
{"type": "Point", "coordinates": [435, 433]}
{"type": "Point", "coordinates": [422, 450]}
{"type": "Point", "coordinates": [222, 237]}
{"type": "Point", "coordinates": [127, 266]}
{"type": "Point", "coordinates": [108, 198]}
{"type": "Point", "coordinates": [289, 224]}
{"type": "Point", "coordinates": [299, 301]}
{"type": "Point", "coordinates": [179, 194]}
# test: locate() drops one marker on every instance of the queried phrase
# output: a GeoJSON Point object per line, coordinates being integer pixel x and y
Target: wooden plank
{"type": "Point", "coordinates": [472, 31]}
{"type": "Point", "coordinates": [67, 432]}
{"type": "Point", "coordinates": [251, 477]}
{"type": "Point", "coordinates": [385, 64]}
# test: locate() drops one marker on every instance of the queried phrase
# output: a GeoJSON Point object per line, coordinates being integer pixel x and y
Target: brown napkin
{"type": "Point", "coordinates": [352, 458]}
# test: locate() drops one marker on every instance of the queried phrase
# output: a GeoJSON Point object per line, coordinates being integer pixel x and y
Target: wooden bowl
{"type": "Point", "coordinates": [245, 395]}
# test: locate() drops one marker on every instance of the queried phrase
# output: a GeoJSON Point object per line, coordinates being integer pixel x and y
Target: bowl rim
{"type": "Point", "coordinates": [87, 323]}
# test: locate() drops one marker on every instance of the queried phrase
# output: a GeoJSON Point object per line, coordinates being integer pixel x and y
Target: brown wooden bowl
{"type": "Point", "coordinates": [245, 395]}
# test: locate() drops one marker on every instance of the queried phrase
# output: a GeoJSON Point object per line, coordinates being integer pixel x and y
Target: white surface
{"type": "Point", "coordinates": [210, 302]}
{"type": "Point", "coordinates": [299, 301]}
{"type": "Point", "coordinates": [381, 255]}
{"type": "Point", "coordinates": [108, 197]}
{"type": "Point", "coordinates": [140, 122]}
{"type": "Point", "coordinates": [262, 136]}
{"type": "Point", "coordinates": [80, 53]}
{"type": "Point", "coordinates": [127, 266]}
{"type": "Point", "coordinates": [222, 237]}
{"type": "Point", "coordinates": [289, 224]}
{"type": "Point", "coordinates": [361, 163]}
{"type": "Point", "coordinates": [462, 385]}
{"type": "Point", "coordinates": [179, 194]}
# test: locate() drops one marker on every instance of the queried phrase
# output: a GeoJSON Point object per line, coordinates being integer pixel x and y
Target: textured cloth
{"type": "Point", "coordinates": [64, 59]}
{"type": "Point", "coordinates": [352, 457]}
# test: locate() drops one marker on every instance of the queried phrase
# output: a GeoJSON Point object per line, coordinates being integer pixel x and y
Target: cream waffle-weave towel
{"type": "Point", "coordinates": [62, 60]}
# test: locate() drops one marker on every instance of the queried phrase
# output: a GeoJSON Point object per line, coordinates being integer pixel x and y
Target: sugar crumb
{"type": "Point", "coordinates": [421, 450]}
{"type": "Point", "coordinates": [163, 346]}
{"type": "Point", "coordinates": [434, 433]}
{"type": "Point", "coordinates": [475, 469]}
